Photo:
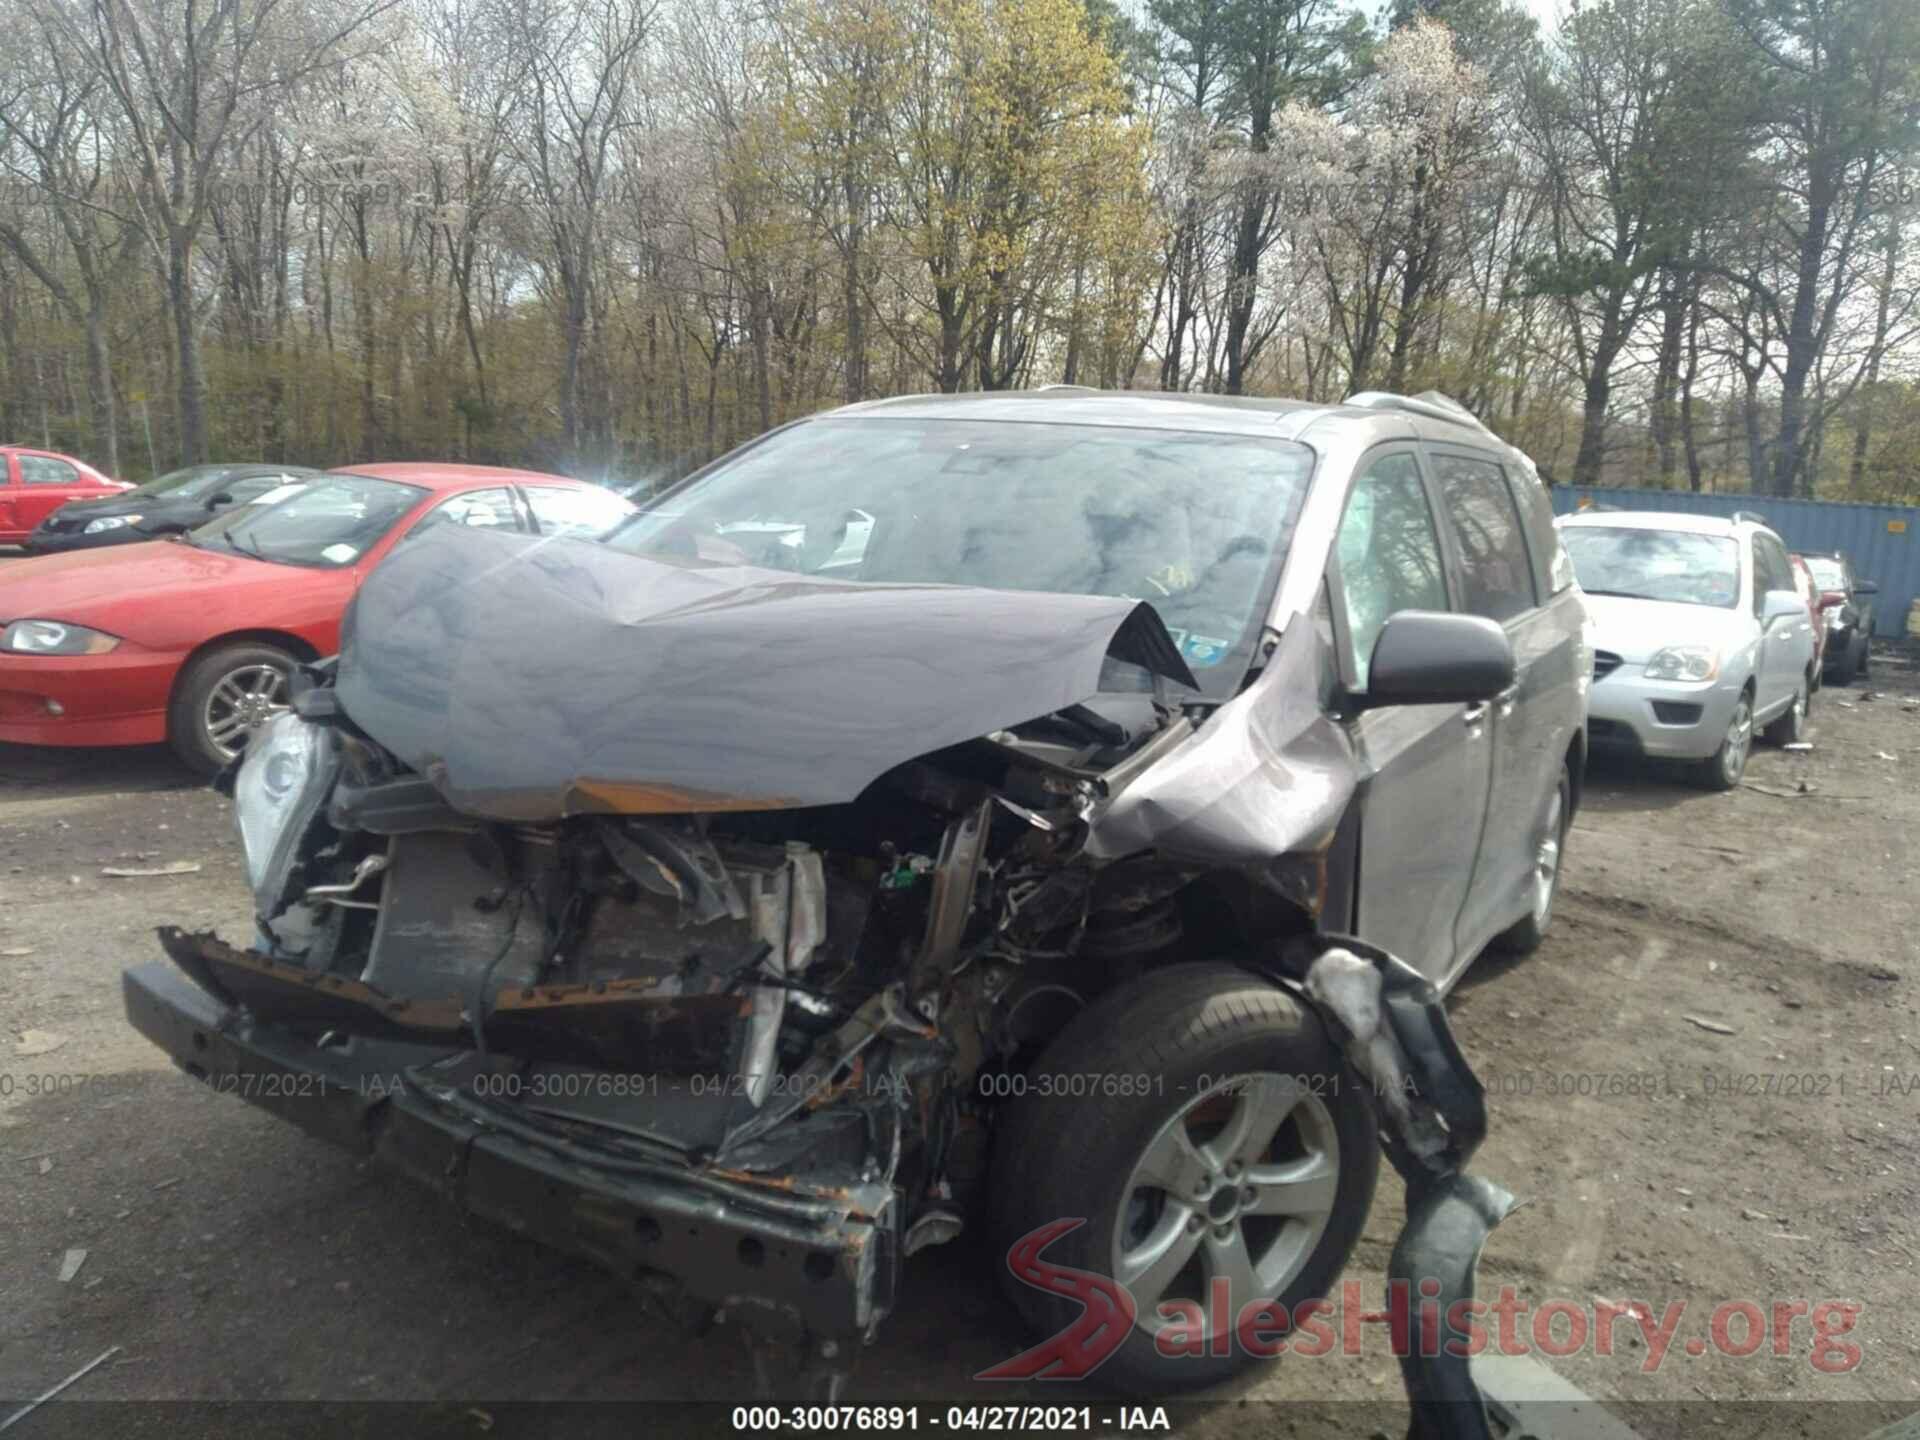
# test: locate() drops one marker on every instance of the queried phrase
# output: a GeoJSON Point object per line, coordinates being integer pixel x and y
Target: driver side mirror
{"type": "Point", "coordinates": [1432, 657]}
{"type": "Point", "coordinates": [214, 502]}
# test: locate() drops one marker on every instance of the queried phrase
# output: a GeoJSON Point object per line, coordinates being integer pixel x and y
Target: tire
{"type": "Point", "coordinates": [1550, 854]}
{"type": "Point", "coordinates": [204, 699]}
{"type": "Point", "coordinates": [1863, 664]}
{"type": "Point", "coordinates": [1084, 1154]}
{"type": "Point", "coordinates": [1790, 724]}
{"type": "Point", "coordinates": [1723, 769]}
{"type": "Point", "coordinates": [1841, 671]}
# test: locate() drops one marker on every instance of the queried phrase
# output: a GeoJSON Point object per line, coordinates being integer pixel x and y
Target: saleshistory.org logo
{"type": "Point", "coordinates": [1262, 1328]}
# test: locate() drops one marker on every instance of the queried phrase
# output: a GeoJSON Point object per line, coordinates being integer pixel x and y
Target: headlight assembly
{"type": "Point", "coordinates": [1684, 662]}
{"type": "Point", "coordinates": [284, 777]}
{"type": "Point", "coordinates": [54, 637]}
{"type": "Point", "coordinates": [110, 522]}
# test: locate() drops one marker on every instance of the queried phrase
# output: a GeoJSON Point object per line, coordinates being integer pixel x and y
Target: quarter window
{"type": "Point", "coordinates": [1493, 556]}
{"type": "Point", "coordinates": [1389, 554]}
{"type": "Point", "coordinates": [40, 470]}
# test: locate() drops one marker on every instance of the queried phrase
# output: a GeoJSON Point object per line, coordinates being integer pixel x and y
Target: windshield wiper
{"type": "Point", "coordinates": [233, 543]}
{"type": "Point", "coordinates": [1617, 594]}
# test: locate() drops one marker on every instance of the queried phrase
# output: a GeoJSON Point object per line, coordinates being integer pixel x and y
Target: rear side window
{"type": "Point", "coordinates": [1497, 572]}
{"type": "Point", "coordinates": [40, 470]}
{"type": "Point", "coordinates": [1552, 566]}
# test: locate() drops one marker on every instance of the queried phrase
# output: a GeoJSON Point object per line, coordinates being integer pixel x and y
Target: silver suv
{"type": "Point", "coordinates": [1699, 636]}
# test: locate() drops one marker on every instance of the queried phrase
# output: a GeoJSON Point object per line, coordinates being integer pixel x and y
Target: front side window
{"type": "Point", "coordinates": [43, 470]}
{"type": "Point", "coordinates": [1194, 523]}
{"type": "Point", "coordinates": [326, 523]}
{"type": "Point", "coordinates": [1681, 566]}
{"type": "Point", "coordinates": [1772, 571]}
{"type": "Point", "coordinates": [1496, 573]}
{"type": "Point", "coordinates": [1389, 554]}
{"type": "Point", "coordinates": [485, 509]}
{"type": "Point", "coordinates": [582, 514]}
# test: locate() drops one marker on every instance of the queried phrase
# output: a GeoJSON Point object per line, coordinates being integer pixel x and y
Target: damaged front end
{"type": "Point", "coordinates": [737, 1038]}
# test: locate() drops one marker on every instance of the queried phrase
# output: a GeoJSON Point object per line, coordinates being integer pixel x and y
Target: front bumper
{"type": "Point", "coordinates": [811, 1262]}
{"type": "Point", "coordinates": [1665, 719]}
{"type": "Point", "coordinates": [825, 1261]}
{"type": "Point", "coordinates": [119, 698]}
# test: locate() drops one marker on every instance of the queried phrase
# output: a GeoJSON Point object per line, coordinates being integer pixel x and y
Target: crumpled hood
{"type": "Point", "coordinates": [531, 679]}
{"type": "Point", "coordinates": [1635, 629]}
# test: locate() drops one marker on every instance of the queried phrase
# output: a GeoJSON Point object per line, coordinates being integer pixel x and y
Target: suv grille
{"type": "Point", "coordinates": [1605, 662]}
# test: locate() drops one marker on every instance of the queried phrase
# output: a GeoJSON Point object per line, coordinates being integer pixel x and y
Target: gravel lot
{"type": "Point", "coordinates": [233, 1259]}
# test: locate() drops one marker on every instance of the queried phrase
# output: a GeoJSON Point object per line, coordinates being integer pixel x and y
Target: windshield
{"type": "Point", "coordinates": [1676, 565]}
{"type": "Point", "coordinates": [326, 522]}
{"type": "Point", "coordinates": [1196, 524]}
{"type": "Point", "coordinates": [1828, 573]}
{"type": "Point", "coordinates": [188, 484]}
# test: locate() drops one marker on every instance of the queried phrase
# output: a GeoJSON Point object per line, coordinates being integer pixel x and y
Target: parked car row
{"type": "Point", "coordinates": [1707, 630]}
{"type": "Point", "coordinates": [176, 611]}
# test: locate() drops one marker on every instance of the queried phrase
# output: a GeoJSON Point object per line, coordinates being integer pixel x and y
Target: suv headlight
{"type": "Point", "coordinates": [1684, 662]}
{"type": "Point", "coordinates": [109, 522]}
{"type": "Point", "coordinates": [54, 637]}
{"type": "Point", "coordinates": [284, 776]}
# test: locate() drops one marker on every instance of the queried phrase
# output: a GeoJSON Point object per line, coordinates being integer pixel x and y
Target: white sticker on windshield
{"type": "Point", "coordinates": [339, 554]}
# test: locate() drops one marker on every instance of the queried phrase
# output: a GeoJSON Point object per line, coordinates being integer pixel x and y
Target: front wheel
{"type": "Point", "coordinates": [222, 698]}
{"type": "Point", "coordinates": [1196, 1137]}
{"type": "Point", "coordinates": [1723, 769]}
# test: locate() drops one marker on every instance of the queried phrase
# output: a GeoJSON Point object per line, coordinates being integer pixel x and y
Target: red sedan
{"type": "Point", "coordinates": [191, 640]}
{"type": "Point", "coordinates": [35, 483]}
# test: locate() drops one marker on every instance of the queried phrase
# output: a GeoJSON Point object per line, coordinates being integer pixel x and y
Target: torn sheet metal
{"type": "Point", "coordinates": [1269, 774]}
{"type": "Point", "coordinates": [532, 680]}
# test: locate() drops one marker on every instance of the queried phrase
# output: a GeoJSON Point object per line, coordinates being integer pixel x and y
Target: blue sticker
{"type": "Point", "coordinates": [1203, 650]}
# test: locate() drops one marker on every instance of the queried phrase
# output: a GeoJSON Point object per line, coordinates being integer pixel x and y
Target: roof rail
{"type": "Point", "coordinates": [1752, 516]}
{"type": "Point", "coordinates": [1058, 385]}
{"type": "Point", "coordinates": [1430, 403]}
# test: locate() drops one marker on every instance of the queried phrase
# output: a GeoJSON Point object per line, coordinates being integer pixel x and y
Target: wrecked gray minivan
{"type": "Point", "coordinates": [1054, 813]}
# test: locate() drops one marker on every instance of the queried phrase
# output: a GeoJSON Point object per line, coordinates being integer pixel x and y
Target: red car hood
{"type": "Point", "coordinates": [109, 588]}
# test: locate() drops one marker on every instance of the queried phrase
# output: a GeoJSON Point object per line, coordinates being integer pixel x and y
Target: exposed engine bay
{"type": "Point", "coordinates": [817, 999]}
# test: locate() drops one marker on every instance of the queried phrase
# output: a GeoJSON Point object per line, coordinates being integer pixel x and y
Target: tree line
{"type": "Point", "coordinates": [1661, 242]}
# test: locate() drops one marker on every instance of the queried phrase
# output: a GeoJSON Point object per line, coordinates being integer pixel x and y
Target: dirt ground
{"type": "Point", "coordinates": [233, 1259]}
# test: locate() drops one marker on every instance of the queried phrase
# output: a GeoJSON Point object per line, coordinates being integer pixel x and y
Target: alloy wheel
{"type": "Point", "coordinates": [1237, 1187]}
{"type": "Point", "coordinates": [1733, 753]}
{"type": "Point", "coordinates": [240, 702]}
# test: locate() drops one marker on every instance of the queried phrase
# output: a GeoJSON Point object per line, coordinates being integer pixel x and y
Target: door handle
{"type": "Point", "coordinates": [1474, 714]}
